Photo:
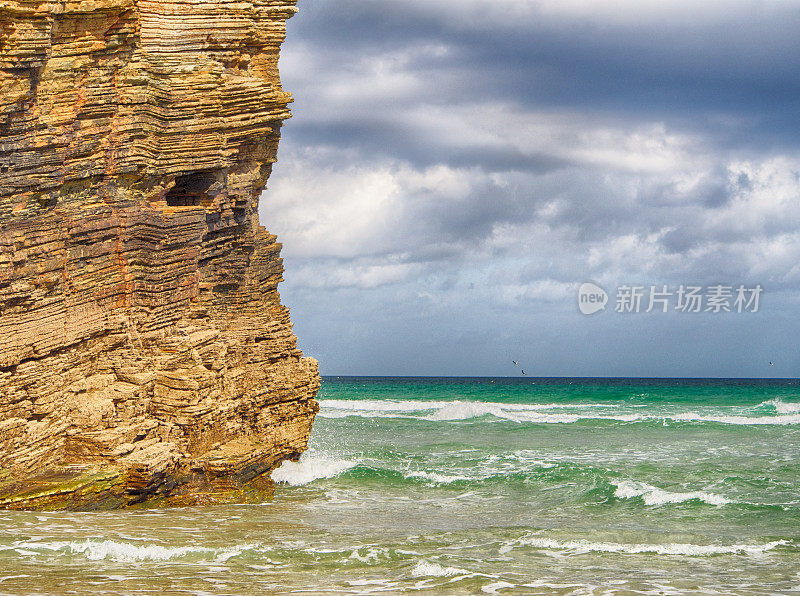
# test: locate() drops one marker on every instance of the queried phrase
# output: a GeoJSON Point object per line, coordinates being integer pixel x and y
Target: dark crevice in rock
{"type": "Point", "coordinates": [194, 190]}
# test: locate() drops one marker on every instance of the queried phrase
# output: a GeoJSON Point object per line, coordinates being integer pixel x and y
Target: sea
{"type": "Point", "coordinates": [473, 486]}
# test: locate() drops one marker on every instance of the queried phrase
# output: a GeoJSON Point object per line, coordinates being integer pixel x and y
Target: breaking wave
{"type": "Point", "coordinates": [692, 550]}
{"type": "Point", "coordinates": [426, 568]}
{"type": "Point", "coordinates": [781, 420]}
{"type": "Point", "coordinates": [98, 550]}
{"type": "Point", "coordinates": [312, 466]}
{"type": "Point", "coordinates": [460, 410]}
{"type": "Point", "coordinates": [437, 478]}
{"type": "Point", "coordinates": [782, 407]}
{"type": "Point", "coordinates": [654, 496]}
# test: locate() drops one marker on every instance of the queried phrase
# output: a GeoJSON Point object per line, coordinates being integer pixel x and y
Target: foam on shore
{"type": "Point", "coordinates": [98, 550]}
{"type": "Point", "coordinates": [692, 550]}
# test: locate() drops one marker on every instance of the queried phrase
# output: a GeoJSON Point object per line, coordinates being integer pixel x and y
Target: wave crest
{"type": "Point", "coordinates": [312, 466]}
{"type": "Point", "coordinates": [652, 495]}
{"type": "Point", "coordinates": [98, 550]}
{"type": "Point", "coordinates": [426, 568]}
{"type": "Point", "coordinates": [692, 550]}
{"type": "Point", "coordinates": [457, 410]}
{"type": "Point", "coordinates": [436, 478]}
{"type": "Point", "coordinates": [782, 407]}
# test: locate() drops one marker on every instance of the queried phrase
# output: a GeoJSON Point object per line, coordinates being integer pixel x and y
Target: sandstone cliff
{"type": "Point", "coordinates": [144, 352]}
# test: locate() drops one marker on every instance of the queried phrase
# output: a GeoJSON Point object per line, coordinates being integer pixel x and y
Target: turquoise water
{"type": "Point", "coordinates": [461, 486]}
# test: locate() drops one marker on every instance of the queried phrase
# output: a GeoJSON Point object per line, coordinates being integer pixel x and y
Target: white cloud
{"type": "Point", "coordinates": [324, 212]}
{"type": "Point", "coordinates": [477, 165]}
{"type": "Point", "coordinates": [331, 275]}
{"type": "Point", "coordinates": [765, 197]}
{"type": "Point", "coordinates": [387, 222]}
{"type": "Point", "coordinates": [367, 209]}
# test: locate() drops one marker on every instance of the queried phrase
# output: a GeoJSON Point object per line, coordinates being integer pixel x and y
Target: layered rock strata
{"type": "Point", "coordinates": [144, 352]}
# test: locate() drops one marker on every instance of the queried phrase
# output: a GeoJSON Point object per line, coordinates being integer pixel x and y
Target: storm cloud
{"type": "Point", "coordinates": [455, 170]}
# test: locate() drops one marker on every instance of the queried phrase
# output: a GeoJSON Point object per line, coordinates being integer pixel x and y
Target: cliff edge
{"type": "Point", "coordinates": [145, 356]}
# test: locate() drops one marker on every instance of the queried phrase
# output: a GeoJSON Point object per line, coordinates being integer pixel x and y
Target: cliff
{"type": "Point", "coordinates": [144, 352]}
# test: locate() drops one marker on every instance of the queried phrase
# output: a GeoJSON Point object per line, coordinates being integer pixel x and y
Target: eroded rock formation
{"type": "Point", "coordinates": [144, 351]}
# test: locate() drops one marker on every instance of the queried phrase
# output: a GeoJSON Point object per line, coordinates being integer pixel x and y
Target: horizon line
{"type": "Point", "coordinates": [559, 377]}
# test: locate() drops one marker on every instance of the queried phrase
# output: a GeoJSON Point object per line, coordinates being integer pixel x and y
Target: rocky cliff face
{"type": "Point", "coordinates": [144, 352]}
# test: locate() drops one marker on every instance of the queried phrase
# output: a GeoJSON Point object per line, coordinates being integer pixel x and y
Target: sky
{"type": "Point", "coordinates": [455, 170]}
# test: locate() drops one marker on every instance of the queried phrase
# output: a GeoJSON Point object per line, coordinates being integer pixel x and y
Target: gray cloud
{"type": "Point", "coordinates": [730, 64]}
{"type": "Point", "coordinates": [462, 168]}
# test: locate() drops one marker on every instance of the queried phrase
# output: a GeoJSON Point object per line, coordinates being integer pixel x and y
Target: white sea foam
{"type": "Point", "coordinates": [406, 405]}
{"type": "Point", "coordinates": [456, 410]}
{"type": "Point", "coordinates": [494, 587]}
{"type": "Point", "coordinates": [463, 410]}
{"type": "Point", "coordinates": [426, 568]}
{"type": "Point", "coordinates": [543, 418]}
{"type": "Point", "coordinates": [312, 466]}
{"type": "Point", "coordinates": [371, 555]}
{"type": "Point", "coordinates": [443, 411]}
{"type": "Point", "coordinates": [529, 459]}
{"type": "Point", "coordinates": [652, 495]}
{"type": "Point", "coordinates": [740, 420]}
{"type": "Point", "coordinates": [435, 477]}
{"type": "Point", "coordinates": [359, 583]}
{"type": "Point", "coordinates": [692, 550]}
{"type": "Point", "coordinates": [534, 416]}
{"type": "Point", "coordinates": [98, 550]}
{"type": "Point", "coordinates": [379, 405]}
{"type": "Point", "coordinates": [782, 407]}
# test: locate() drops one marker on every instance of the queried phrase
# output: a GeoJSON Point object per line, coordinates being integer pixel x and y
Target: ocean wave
{"type": "Point", "coordinates": [541, 418]}
{"type": "Point", "coordinates": [379, 405]}
{"type": "Point", "coordinates": [692, 550]}
{"type": "Point", "coordinates": [781, 406]}
{"type": "Point", "coordinates": [444, 411]}
{"type": "Point", "coordinates": [312, 466]}
{"type": "Point", "coordinates": [132, 552]}
{"type": "Point", "coordinates": [98, 550]}
{"type": "Point", "coordinates": [494, 587]}
{"type": "Point", "coordinates": [414, 405]}
{"type": "Point", "coordinates": [529, 459]}
{"type": "Point", "coordinates": [464, 410]}
{"type": "Point", "coordinates": [459, 410]}
{"type": "Point", "coordinates": [322, 466]}
{"type": "Point", "coordinates": [652, 495]}
{"type": "Point", "coordinates": [436, 478]}
{"type": "Point", "coordinates": [517, 466]}
{"type": "Point", "coordinates": [428, 569]}
{"type": "Point", "coordinates": [781, 420]}
{"type": "Point", "coordinates": [518, 413]}
{"type": "Point", "coordinates": [451, 411]}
